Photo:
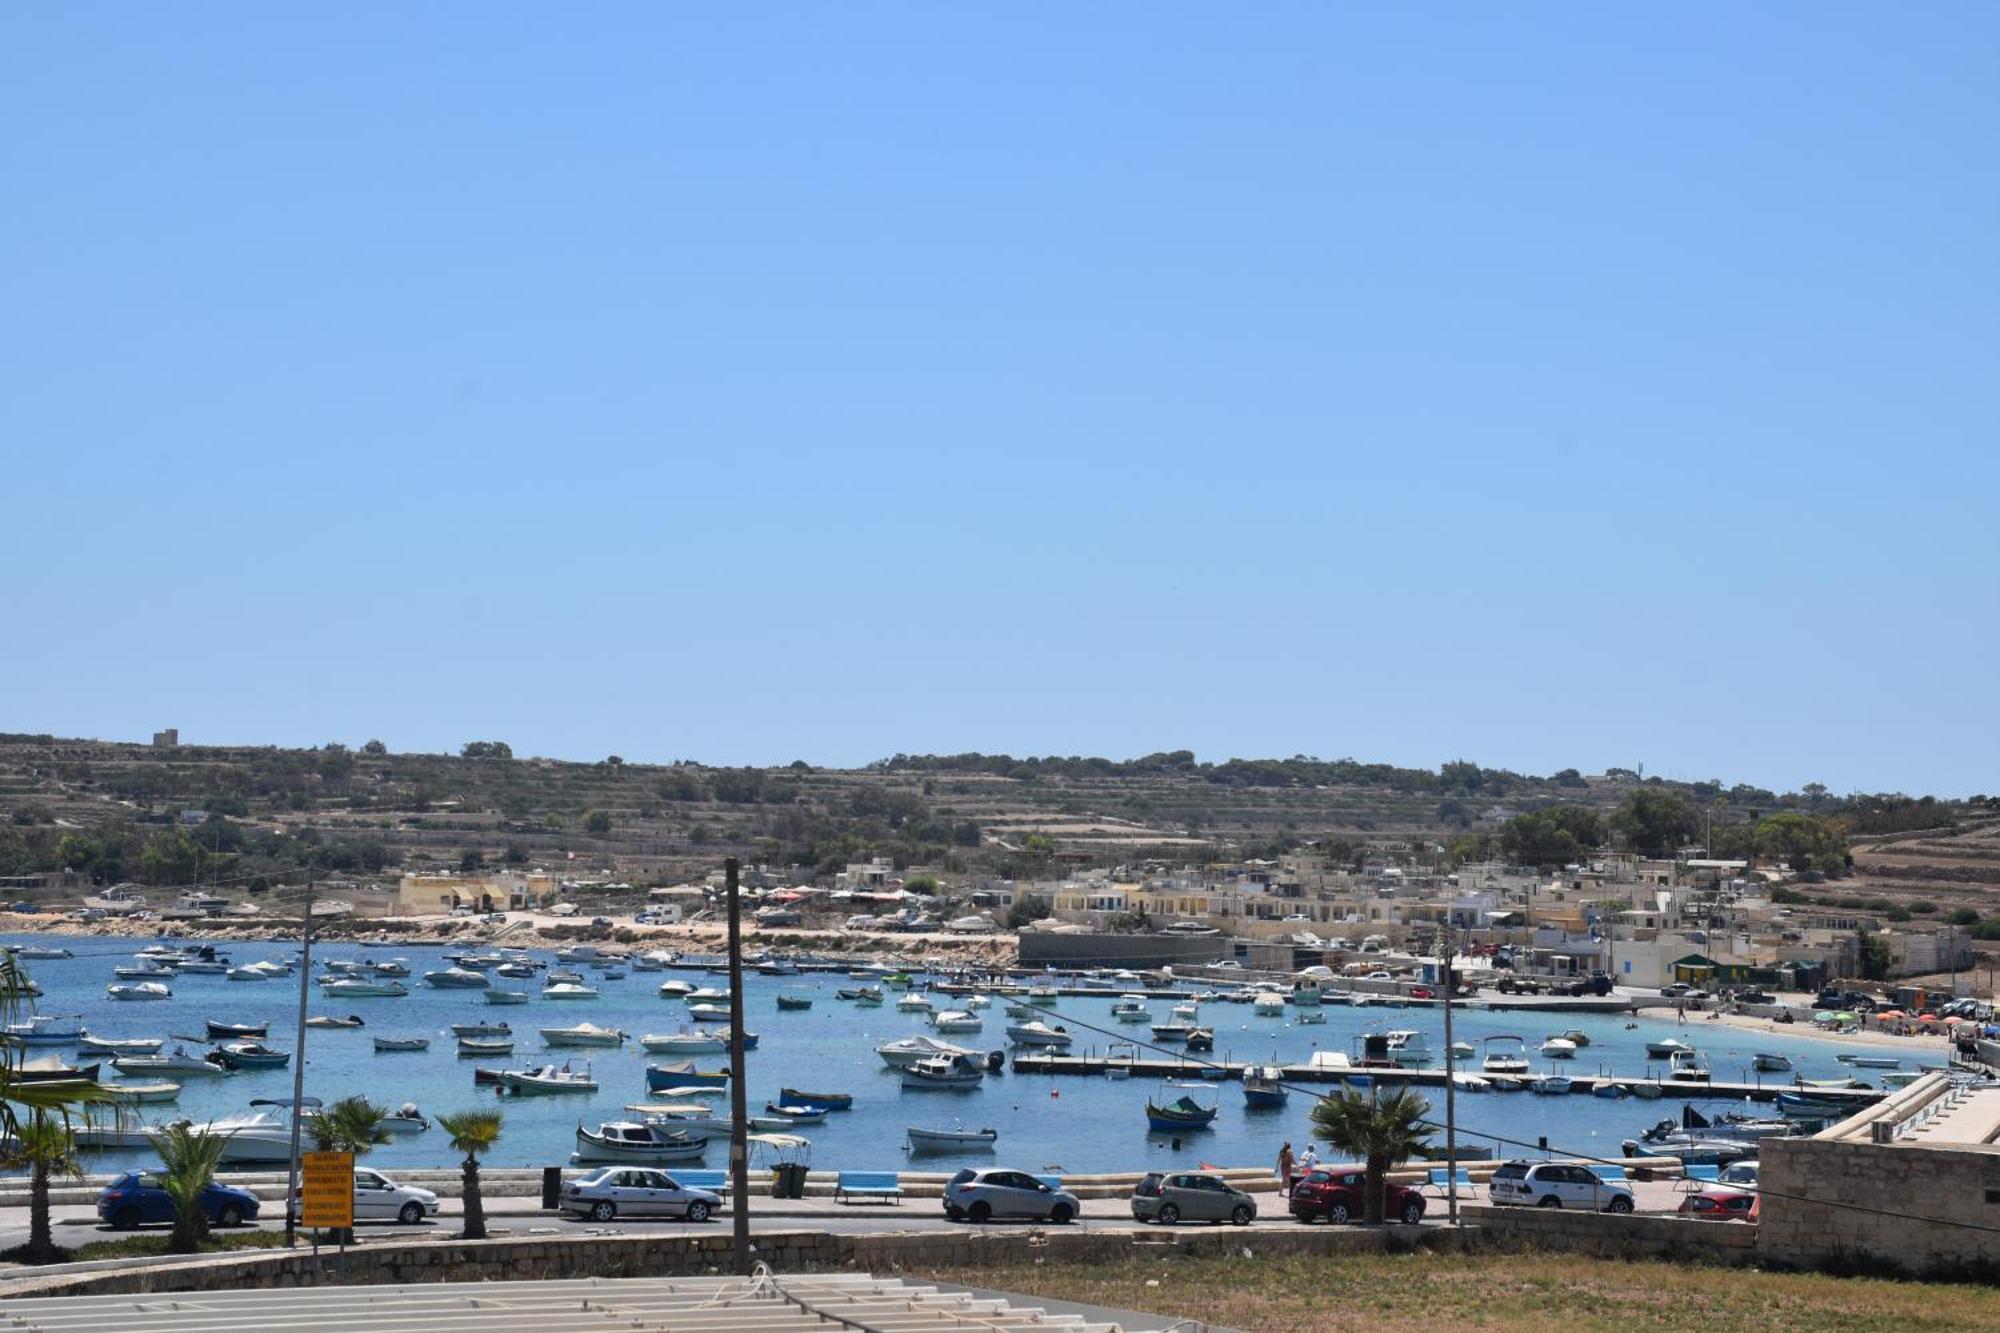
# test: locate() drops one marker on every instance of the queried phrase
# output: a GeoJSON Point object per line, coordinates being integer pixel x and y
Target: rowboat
{"type": "Point", "coordinates": [478, 1046]}
{"type": "Point", "coordinates": [683, 1074]}
{"type": "Point", "coordinates": [385, 1045]}
{"type": "Point", "coordinates": [866, 997]}
{"type": "Point", "coordinates": [506, 996]}
{"type": "Point", "coordinates": [255, 1055]}
{"type": "Point", "coordinates": [832, 1101]}
{"type": "Point", "coordinates": [546, 1081]}
{"type": "Point", "coordinates": [583, 1034]}
{"type": "Point", "coordinates": [225, 1031]}
{"type": "Point", "coordinates": [637, 1141]}
{"type": "Point", "coordinates": [797, 1115]}
{"type": "Point", "coordinates": [139, 1093]}
{"type": "Point", "coordinates": [951, 1140]}
{"type": "Point", "coordinates": [141, 990]}
{"type": "Point", "coordinates": [1182, 1113]}
{"type": "Point", "coordinates": [119, 1045]}
{"type": "Point", "coordinates": [54, 1069]}
{"type": "Point", "coordinates": [794, 1000]}
{"type": "Point", "coordinates": [481, 1030]}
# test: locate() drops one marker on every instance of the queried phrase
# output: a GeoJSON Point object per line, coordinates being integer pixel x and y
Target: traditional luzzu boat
{"type": "Point", "coordinates": [1183, 1112]}
{"type": "Point", "coordinates": [637, 1141]}
{"type": "Point", "coordinates": [255, 1055]}
{"type": "Point", "coordinates": [683, 1074]}
{"type": "Point", "coordinates": [1264, 1087]}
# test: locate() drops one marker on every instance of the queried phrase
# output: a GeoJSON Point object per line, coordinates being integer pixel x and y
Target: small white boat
{"type": "Point", "coordinates": [1043, 995]}
{"type": "Point", "coordinates": [1666, 1048]}
{"type": "Point", "coordinates": [1461, 1050]}
{"type": "Point", "coordinates": [1268, 1004]}
{"type": "Point", "coordinates": [978, 1002]}
{"type": "Point", "coordinates": [1685, 1066]}
{"type": "Point", "coordinates": [638, 1141]}
{"type": "Point", "coordinates": [706, 995]}
{"type": "Point", "coordinates": [710, 1013]}
{"type": "Point", "coordinates": [39, 953]}
{"type": "Point", "coordinates": [914, 1003]}
{"type": "Point", "coordinates": [361, 989]}
{"type": "Point", "coordinates": [48, 1030]}
{"type": "Point", "coordinates": [569, 990]}
{"type": "Point", "coordinates": [1041, 1034]}
{"type": "Point", "coordinates": [481, 1030]}
{"type": "Point", "coordinates": [1131, 1009]}
{"type": "Point", "coordinates": [906, 1051]}
{"type": "Point", "coordinates": [1553, 1083]}
{"type": "Point", "coordinates": [946, 1074]}
{"type": "Point", "coordinates": [385, 1045]}
{"type": "Point", "coordinates": [140, 990]}
{"type": "Point", "coordinates": [1407, 1048]}
{"type": "Point", "coordinates": [178, 1062]}
{"type": "Point", "coordinates": [951, 1140]}
{"type": "Point", "coordinates": [407, 1120]}
{"type": "Point", "coordinates": [256, 1138]}
{"type": "Point", "coordinates": [124, 1131]}
{"type": "Point", "coordinates": [1869, 1061]}
{"type": "Point", "coordinates": [674, 990]}
{"type": "Point", "coordinates": [141, 971]}
{"type": "Point", "coordinates": [248, 974]}
{"type": "Point", "coordinates": [547, 1080]}
{"type": "Point", "coordinates": [1505, 1055]}
{"type": "Point", "coordinates": [583, 1034]}
{"type": "Point", "coordinates": [1559, 1048]}
{"type": "Point", "coordinates": [697, 1042]}
{"type": "Point", "coordinates": [1767, 1063]}
{"type": "Point", "coordinates": [497, 996]}
{"type": "Point", "coordinates": [957, 1020]}
{"type": "Point", "coordinates": [458, 978]}
{"type": "Point", "coordinates": [1309, 1016]}
{"type": "Point", "coordinates": [333, 1021]}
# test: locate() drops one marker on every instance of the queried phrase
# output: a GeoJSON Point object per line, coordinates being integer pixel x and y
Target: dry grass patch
{"type": "Point", "coordinates": [1494, 1293]}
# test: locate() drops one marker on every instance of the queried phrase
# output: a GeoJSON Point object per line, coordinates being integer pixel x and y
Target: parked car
{"type": "Point", "coordinates": [1558, 1185]}
{"type": "Point", "coordinates": [1750, 996]}
{"type": "Point", "coordinates": [990, 1192]}
{"type": "Point", "coordinates": [135, 1199]}
{"type": "Point", "coordinates": [635, 1191]}
{"type": "Point", "coordinates": [1341, 1196]}
{"type": "Point", "coordinates": [1675, 991]}
{"type": "Point", "coordinates": [1519, 986]}
{"type": "Point", "coordinates": [1741, 1176]}
{"type": "Point", "coordinates": [1183, 1197]}
{"type": "Point", "coordinates": [1721, 1206]}
{"type": "Point", "coordinates": [380, 1199]}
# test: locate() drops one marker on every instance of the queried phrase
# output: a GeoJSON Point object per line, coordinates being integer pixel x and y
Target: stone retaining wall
{"type": "Point", "coordinates": [539, 1258]}
{"type": "Point", "coordinates": [1850, 1205]}
{"type": "Point", "coordinates": [1614, 1235]}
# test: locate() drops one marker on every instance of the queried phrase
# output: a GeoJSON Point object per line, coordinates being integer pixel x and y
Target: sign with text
{"type": "Point", "coordinates": [326, 1194]}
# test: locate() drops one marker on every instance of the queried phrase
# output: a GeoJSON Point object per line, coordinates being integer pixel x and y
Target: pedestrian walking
{"type": "Point", "coordinates": [1286, 1179]}
{"type": "Point", "coordinates": [1309, 1161]}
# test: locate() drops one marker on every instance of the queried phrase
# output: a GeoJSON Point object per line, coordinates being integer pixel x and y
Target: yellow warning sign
{"type": "Point", "coordinates": [326, 1194]}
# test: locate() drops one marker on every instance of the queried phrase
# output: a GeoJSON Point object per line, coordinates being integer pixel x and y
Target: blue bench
{"type": "Point", "coordinates": [853, 1185]}
{"type": "Point", "coordinates": [1608, 1171]}
{"type": "Point", "coordinates": [1442, 1180]}
{"type": "Point", "coordinates": [717, 1181]}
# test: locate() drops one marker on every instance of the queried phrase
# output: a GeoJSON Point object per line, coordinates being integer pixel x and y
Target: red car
{"type": "Point", "coordinates": [1341, 1196]}
{"type": "Point", "coordinates": [1721, 1206]}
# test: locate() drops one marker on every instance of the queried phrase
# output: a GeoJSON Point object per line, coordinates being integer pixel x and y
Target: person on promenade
{"type": "Point", "coordinates": [1309, 1161]}
{"type": "Point", "coordinates": [1285, 1177]}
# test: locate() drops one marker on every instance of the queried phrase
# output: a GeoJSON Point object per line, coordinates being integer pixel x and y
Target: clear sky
{"type": "Point", "coordinates": [1541, 385]}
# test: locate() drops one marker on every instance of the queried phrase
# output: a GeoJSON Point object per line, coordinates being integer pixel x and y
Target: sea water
{"type": "Point", "coordinates": [1063, 1123]}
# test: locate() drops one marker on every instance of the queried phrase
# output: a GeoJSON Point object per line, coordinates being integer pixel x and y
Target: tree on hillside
{"type": "Point", "coordinates": [374, 748]}
{"type": "Point", "coordinates": [596, 821]}
{"type": "Point", "coordinates": [1556, 836]}
{"type": "Point", "coordinates": [486, 750]}
{"type": "Point", "coordinates": [1653, 821]}
{"type": "Point", "coordinates": [1803, 842]}
{"type": "Point", "coordinates": [1027, 909]}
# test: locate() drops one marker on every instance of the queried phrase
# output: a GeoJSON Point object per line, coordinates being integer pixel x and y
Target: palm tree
{"type": "Point", "coordinates": [188, 1159]}
{"type": "Point", "coordinates": [46, 1146]}
{"type": "Point", "coordinates": [352, 1124]}
{"type": "Point", "coordinates": [1383, 1131]}
{"type": "Point", "coordinates": [472, 1133]}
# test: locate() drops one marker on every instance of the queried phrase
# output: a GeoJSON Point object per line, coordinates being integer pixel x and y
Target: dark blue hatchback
{"type": "Point", "coordinates": [135, 1199]}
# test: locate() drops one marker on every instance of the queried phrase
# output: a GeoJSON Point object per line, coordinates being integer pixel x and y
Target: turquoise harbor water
{"type": "Point", "coordinates": [1068, 1123]}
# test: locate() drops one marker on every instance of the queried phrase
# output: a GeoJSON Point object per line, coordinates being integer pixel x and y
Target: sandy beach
{"type": "Point", "coordinates": [1925, 1046]}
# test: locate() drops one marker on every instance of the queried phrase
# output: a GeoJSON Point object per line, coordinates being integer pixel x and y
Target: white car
{"type": "Point", "coordinates": [635, 1191]}
{"type": "Point", "coordinates": [990, 1192]}
{"type": "Point", "coordinates": [1741, 1176]}
{"type": "Point", "coordinates": [380, 1199]}
{"type": "Point", "coordinates": [1558, 1185]}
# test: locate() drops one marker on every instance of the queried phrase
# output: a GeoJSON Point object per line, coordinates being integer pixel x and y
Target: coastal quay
{"type": "Point", "coordinates": [1581, 1084]}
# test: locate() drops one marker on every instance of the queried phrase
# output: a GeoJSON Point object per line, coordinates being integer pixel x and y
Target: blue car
{"type": "Point", "coordinates": [135, 1199]}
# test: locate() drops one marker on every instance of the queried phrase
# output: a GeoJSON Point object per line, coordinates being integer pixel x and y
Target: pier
{"type": "Point", "coordinates": [1580, 1084]}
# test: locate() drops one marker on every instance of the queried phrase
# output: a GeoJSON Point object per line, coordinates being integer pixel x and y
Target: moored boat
{"type": "Point", "coordinates": [49, 1030]}
{"type": "Point", "coordinates": [360, 988]}
{"type": "Point", "coordinates": [178, 1062]}
{"type": "Point", "coordinates": [569, 990]}
{"type": "Point", "coordinates": [232, 1031]}
{"type": "Point", "coordinates": [1041, 1034]}
{"type": "Point", "coordinates": [1771, 1064]}
{"type": "Point", "coordinates": [959, 1073]}
{"type": "Point", "coordinates": [457, 978]}
{"type": "Point", "coordinates": [1183, 1112]}
{"type": "Point", "coordinates": [1264, 1087]}
{"type": "Point", "coordinates": [951, 1140]}
{"type": "Point", "coordinates": [498, 996]}
{"type": "Point", "coordinates": [139, 1093]}
{"type": "Point", "coordinates": [1505, 1055]}
{"type": "Point", "coordinates": [683, 1074]}
{"type": "Point", "coordinates": [794, 1000]}
{"type": "Point", "coordinates": [583, 1034]}
{"type": "Point", "coordinates": [547, 1080]}
{"type": "Point", "coordinates": [335, 1021]}
{"type": "Point", "coordinates": [832, 1101]}
{"type": "Point", "coordinates": [637, 1141]}
{"type": "Point", "coordinates": [139, 990]}
{"type": "Point", "coordinates": [906, 1051]}
{"type": "Point", "coordinates": [481, 1030]}
{"type": "Point", "coordinates": [255, 1055]}
{"type": "Point", "coordinates": [384, 1045]}
{"type": "Point", "coordinates": [54, 1069]}
{"type": "Point", "coordinates": [483, 1046]}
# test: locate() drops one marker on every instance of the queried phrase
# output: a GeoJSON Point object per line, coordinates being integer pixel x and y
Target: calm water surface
{"type": "Point", "coordinates": [1076, 1124]}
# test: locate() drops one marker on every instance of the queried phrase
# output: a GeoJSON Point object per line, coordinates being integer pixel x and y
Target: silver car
{"type": "Point", "coordinates": [1189, 1197]}
{"type": "Point", "coordinates": [377, 1198]}
{"type": "Point", "coordinates": [995, 1192]}
{"type": "Point", "coordinates": [635, 1191]}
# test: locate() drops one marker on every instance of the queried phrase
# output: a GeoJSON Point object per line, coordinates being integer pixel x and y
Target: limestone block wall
{"type": "Point", "coordinates": [1806, 1182]}
{"type": "Point", "coordinates": [1614, 1235]}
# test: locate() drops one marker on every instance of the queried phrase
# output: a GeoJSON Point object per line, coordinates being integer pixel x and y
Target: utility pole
{"type": "Point", "coordinates": [739, 1110]}
{"type": "Point", "coordinates": [299, 1076]}
{"type": "Point", "coordinates": [1450, 1067]}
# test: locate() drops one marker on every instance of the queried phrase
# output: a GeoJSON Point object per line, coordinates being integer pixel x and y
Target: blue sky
{"type": "Point", "coordinates": [1542, 385]}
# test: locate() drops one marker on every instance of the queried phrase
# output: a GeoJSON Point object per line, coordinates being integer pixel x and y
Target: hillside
{"type": "Point", "coordinates": [114, 810]}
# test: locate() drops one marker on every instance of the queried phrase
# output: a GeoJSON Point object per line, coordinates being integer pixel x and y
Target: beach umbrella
{"type": "Point", "coordinates": [1892, 1013]}
{"type": "Point", "coordinates": [1844, 1016]}
{"type": "Point", "coordinates": [1826, 1016]}
{"type": "Point", "coordinates": [1928, 1019]}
